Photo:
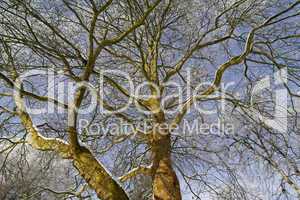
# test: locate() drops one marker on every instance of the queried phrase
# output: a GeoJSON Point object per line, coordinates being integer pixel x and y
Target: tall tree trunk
{"type": "Point", "coordinates": [90, 169]}
{"type": "Point", "coordinates": [97, 177]}
{"type": "Point", "coordinates": [165, 182]}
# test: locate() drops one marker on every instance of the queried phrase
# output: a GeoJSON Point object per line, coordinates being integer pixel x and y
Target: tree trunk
{"type": "Point", "coordinates": [97, 177]}
{"type": "Point", "coordinates": [165, 182]}
{"type": "Point", "coordinates": [90, 169]}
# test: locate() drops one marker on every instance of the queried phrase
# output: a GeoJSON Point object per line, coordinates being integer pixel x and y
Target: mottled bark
{"type": "Point", "coordinates": [90, 169]}
{"type": "Point", "coordinates": [165, 182]}
{"type": "Point", "coordinates": [97, 177]}
{"type": "Point", "coordinates": [84, 161]}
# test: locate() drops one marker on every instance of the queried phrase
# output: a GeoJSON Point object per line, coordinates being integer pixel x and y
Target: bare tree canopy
{"type": "Point", "coordinates": [150, 99]}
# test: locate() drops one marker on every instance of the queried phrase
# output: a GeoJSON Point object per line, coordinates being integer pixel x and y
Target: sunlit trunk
{"type": "Point", "coordinates": [165, 182]}
{"type": "Point", "coordinates": [97, 177]}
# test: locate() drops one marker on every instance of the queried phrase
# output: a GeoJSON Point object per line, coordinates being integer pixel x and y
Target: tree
{"type": "Point", "coordinates": [29, 174]}
{"type": "Point", "coordinates": [177, 56]}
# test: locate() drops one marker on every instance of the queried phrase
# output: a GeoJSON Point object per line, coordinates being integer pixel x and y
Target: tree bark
{"type": "Point", "coordinates": [90, 169]}
{"type": "Point", "coordinates": [97, 177]}
{"type": "Point", "coordinates": [164, 179]}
